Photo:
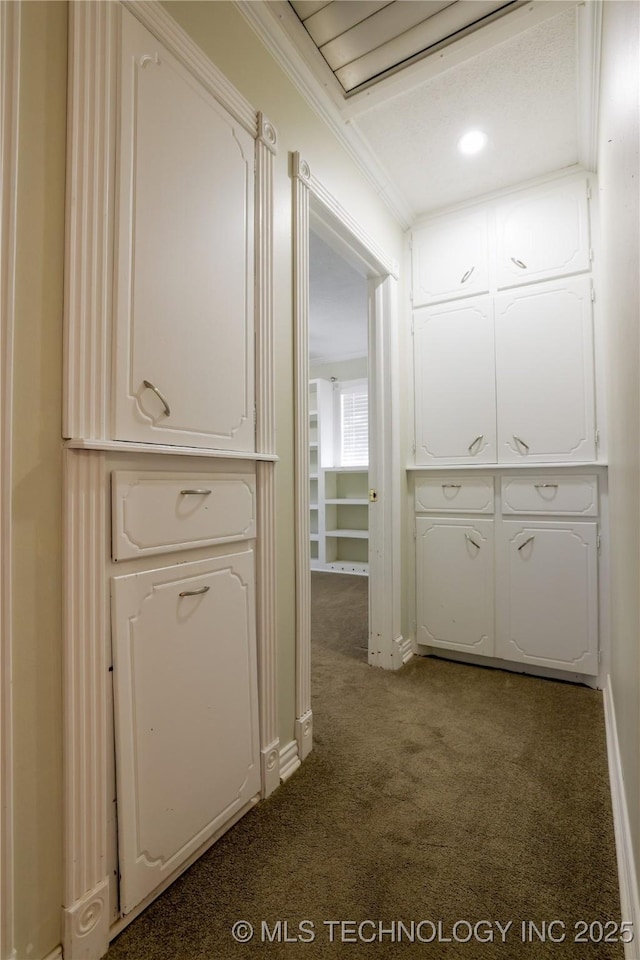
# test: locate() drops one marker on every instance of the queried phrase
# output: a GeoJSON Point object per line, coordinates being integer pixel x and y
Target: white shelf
{"type": "Point", "coordinates": [314, 536]}
{"type": "Point", "coordinates": [348, 502]}
{"type": "Point", "coordinates": [364, 469]}
{"type": "Point", "coordinates": [313, 506]}
{"type": "Point", "coordinates": [351, 534]}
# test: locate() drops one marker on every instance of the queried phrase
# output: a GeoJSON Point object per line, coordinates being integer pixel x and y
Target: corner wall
{"type": "Point", "coordinates": [618, 289]}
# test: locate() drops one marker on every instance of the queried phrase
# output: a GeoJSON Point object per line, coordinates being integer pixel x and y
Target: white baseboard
{"type": "Point", "coordinates": [55, 954]}
{"type": "Point", "coordinates": [627, 875]}
{"type": "Point", "coordinates": [289, 760]}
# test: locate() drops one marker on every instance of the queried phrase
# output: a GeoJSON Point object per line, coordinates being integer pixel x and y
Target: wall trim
{"type": "Point", "coordinates": [55, 954]}
{"type": "Point", "coordinates": [289, 760]}
{"type": "Point", "coordinates": [627, 872]}
{"type": "Point", "coordinates": [312, 201]}
{"type": "Point", "coordinates": [589, 44]}
{"type": "Point", "coordinates": [10, 14]}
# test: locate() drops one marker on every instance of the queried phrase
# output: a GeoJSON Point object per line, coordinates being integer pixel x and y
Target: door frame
{"type": "Point", "coordinates": [314, 205]}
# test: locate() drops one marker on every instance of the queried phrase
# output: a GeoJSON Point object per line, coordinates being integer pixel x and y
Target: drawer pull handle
{"type": "Point", "coordinates": [546, 486]}
{"type": "Point", "coordinates": [466, 275]}
{"type": "Point", "coordinates": [519, 263]}
{"type": "Point", "coordinates": [195, 493]}
{"type": "Point", "coordinates": [151, 386]}
{"type": "Point", "coordinates": [521, 442]}
{"type": "Point", "coordinates": [194, 593]}
{"type": "Point", "coordinates": [471, 540]}
{"type": "Point", "coordinates": [523, 545]}
{"type": "Point", "coordinates": [473, 446]}
{"type": "Point", "coordinates": [451, 486]}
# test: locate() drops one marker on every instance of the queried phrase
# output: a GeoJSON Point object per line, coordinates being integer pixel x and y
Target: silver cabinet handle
{"type": "Point", "coordinates": [452, 486]}
{"type": "Point", "coordinates": [475, 443]}
{"type": "Point", "coordinates": [194, 593]}
{"type": "Point", "coordinates": [471, 540]}
{"type": "Point", "coordinates": [545, 486]}
{"type": "Point", "coordinates": [465, 276]}
{"type": "Point", "coordinates": [195, 493]}
{"type": "Point", "coordinates": [523, 545]}
{"type": "Point", "coordinates": [151, 386]}
{"type": "Point", "coordinates": [519, 263]}
{"type": "Point", "coordinates": [521, 442]}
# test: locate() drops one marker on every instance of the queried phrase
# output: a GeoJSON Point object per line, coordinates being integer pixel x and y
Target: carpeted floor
{"type": "Point", "coordinates": [439, 793]}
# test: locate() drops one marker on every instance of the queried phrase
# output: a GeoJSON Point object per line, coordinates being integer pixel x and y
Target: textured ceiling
{"type": "Point", "coordinates": [338, 312]}
{"type": "Point", "coordinates": [523, 93]}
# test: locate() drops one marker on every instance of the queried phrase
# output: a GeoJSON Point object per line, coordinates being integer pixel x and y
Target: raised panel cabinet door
{"type": "Point", "coordinates": [186, 712]}
{"type": "Point", "coordinates": [455, 400]}
{"type": "Point", "coordinates": [454, 584]}
{"type": "Point", "coordinates": [450, 258]}
{"type": "Point", "coordinates": [184, 357]}
{"type": "Point", "coordinates": [545, 372]}
{"type": "Point", "coordinates": [548, 595]}
{"type": "Point", "coordinates": [543, 233]}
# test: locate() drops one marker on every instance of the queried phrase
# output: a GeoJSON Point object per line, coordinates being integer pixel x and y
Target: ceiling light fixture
{"type": "Point", "coordinates": [472, 142]}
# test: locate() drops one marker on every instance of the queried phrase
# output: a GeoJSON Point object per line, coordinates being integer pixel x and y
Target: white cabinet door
{"type": "Point", "coordinates": [184, 257]}
{"type": "Point", "coordinates": [455, 400]}
{"type": "Point", "coordinates": [545, 372]}
{"type": "Point", "coordinates": [454, 585]}
{"type": "Point", "coordinates": [450, 258]}
{"type": "Point", "coordinates": [185, 686]}
{"type": "Point", "coordinates": [548, 595]}
{"type": "Point", "coordinates": [543, 233]}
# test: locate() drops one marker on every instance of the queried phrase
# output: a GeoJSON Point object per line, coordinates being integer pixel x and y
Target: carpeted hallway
{"type": "Point", "coordinates": [439, 793]}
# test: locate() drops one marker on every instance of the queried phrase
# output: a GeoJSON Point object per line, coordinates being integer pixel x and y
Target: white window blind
{"type": "Point", "coordinates": [354, 423]}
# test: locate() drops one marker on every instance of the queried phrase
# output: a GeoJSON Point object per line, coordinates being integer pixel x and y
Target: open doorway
{"type": "Point", "coordinates": [338, 450]}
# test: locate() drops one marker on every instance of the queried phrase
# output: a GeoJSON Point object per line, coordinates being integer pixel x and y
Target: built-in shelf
{"type": "Point", "coordinates": [492, 467]}
{"type": "Point", "coordinates": [314, 536]}
{"type": "Point", "coordinates": [126, 446]}
{"type": "Point", "coordinates": [351, 534]}
{"type": "Point", "coordinates": [348, 501]}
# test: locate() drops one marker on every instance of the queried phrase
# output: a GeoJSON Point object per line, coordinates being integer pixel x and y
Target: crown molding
{"type": "Point", "coordinates": [268, 21]}
{"type": "Point", "coordinates": [589, 46]}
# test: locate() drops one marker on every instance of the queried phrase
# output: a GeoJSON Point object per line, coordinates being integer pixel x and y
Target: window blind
{"type": "Point", "coordinates": [354, 424]}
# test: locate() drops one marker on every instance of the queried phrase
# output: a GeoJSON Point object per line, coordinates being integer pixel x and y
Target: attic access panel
{"type": "Point", "coordinates": [365, 40]}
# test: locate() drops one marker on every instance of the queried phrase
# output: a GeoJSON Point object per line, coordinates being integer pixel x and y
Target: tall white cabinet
{"type": "Point", "coordinates": [170, 484]}
{"type": "Point", "coordinates": [507, 521]}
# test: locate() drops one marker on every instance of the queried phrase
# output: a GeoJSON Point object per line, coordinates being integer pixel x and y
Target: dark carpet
{"type": "Point", "coordinates": [441, 794]}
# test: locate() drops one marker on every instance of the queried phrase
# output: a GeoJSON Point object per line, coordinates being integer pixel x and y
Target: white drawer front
{"type": "Point", "coordinates": [455, 495]}
{"type": "Point", "coordinates": [158, 512]}
{"type": "Point", "coordinates": [551, 494]}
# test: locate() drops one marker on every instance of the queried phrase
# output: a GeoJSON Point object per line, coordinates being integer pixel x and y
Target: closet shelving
{"type": "Point", "coordinates": [338, 496]}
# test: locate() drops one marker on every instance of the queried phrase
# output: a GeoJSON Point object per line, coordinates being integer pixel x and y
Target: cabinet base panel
{"type": "Point", "coordinates": [512, 666]}
{"type": "Point", "coordinates": [341, 566]}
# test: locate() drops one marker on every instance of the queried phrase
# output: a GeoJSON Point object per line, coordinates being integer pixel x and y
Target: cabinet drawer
{"type": "Point", "coordinates": [455, 495]}
{"type": "Point", "coordinates": [158, 512]}
{"type": "Point", "coordinates": [551, 494]}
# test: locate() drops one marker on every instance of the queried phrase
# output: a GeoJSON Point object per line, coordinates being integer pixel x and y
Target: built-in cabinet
{"type": "Point", "coordinates": [338, 496]}
{"type": "Point", "coordinates": [504, 375]}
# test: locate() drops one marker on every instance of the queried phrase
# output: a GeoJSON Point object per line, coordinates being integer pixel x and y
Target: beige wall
{"type": "Point", "coordinates": [227, 39]}
{"type": "Point", "coordinates": [618, 170]}
{"type": "Point", "coordinates": [36, 480]}
{"type": "Point", "coordinates": [341, 369]}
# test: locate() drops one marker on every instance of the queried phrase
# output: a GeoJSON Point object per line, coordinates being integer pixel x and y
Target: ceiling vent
{"type": "Point", "coordinates": [363, 41]}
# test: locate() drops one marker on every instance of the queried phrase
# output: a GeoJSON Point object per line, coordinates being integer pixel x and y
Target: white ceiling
{"type": "Point", "coordinates": [338, 311]}
{"type": "Point", "coordinates": [522, 93]}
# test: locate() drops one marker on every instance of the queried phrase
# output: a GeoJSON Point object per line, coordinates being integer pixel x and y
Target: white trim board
{"type": "Point", "coordinates": [10, 91]}
{"type": "Point", "coordinates": [627, 872]}
{"type": "Point", "coordinates": [289, 760]}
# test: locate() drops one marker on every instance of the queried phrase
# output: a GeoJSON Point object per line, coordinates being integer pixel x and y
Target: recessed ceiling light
{"type": "Point", "coordinates": [472, 142]}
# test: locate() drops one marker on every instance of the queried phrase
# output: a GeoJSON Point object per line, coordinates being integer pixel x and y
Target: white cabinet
{"type": "Point", "coordinates": [455, 399]}
{"type": "Point", "coordinates": [548, 610]}
{"type": "Point", "coordinates": [542, 233]}
{"type": "Point", "coordinates": [184, 254]}
{"type": "Point", "coordinates": [450, 258]}
{"type": "Point", "coordinates": [185, 709]}
{"type": "Point", "coordinates": [544, 372]}
{"type": "Point", "coordinates": [454, 571]}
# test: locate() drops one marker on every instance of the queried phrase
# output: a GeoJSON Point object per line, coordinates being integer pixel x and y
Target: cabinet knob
{"type": "Point", "coordinates": [465, 276]}
{"type": "Point", "coordinates": [519, 263]}
{"type": "Point", "coordinates": [521, 443]}
{"type": "Point", "coordinates": [151, 386]}
{"type": "Point", "coordinates": [194, 593]}
{"type": "Point", "coordinates": [195, 493]}
{"type": "Point", "coordinates": [473, 446]}
{"type": "Point", "coordinates": [472, 541]}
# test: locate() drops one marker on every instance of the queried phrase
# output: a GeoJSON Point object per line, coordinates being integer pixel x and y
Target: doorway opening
{"type": "Point", "coordinates": [338, 450]}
